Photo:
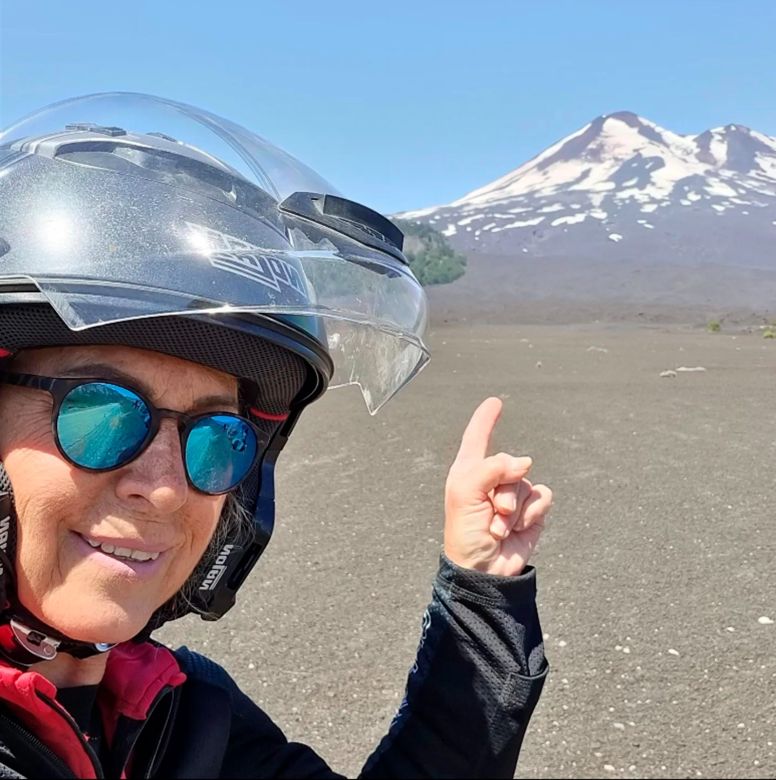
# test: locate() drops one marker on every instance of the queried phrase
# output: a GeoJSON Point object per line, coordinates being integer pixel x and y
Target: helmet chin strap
{"type": "Point", "coordinates": [24, 639]}
{"type": "Point", "coordinates": [23, 646]}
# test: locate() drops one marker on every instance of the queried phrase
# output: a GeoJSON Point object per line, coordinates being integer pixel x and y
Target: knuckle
{"type": "Point", "coordinates": [501, 461]}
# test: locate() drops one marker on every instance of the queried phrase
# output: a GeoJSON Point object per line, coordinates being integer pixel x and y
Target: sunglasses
{"type": "Point", "coordinates": [101, 426]}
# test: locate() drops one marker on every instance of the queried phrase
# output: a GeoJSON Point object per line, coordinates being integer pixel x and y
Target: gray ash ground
{"type": "Point", "coordinates": [657, 572]}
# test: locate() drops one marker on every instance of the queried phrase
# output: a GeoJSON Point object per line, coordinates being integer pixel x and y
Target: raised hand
{"type": "Point", "coordinates": [493, 515]}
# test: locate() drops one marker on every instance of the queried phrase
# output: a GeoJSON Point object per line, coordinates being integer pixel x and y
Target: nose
{"type": "Point", "coordinates": [157, 477]}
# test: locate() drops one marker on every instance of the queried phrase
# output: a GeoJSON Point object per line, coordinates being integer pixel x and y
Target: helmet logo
{"type": "Point", "coordinates": [264, 269]}
{"type": "Point", "coordinates": [232, 254]}
{"type": "Point", "coordinates": [218, 569]}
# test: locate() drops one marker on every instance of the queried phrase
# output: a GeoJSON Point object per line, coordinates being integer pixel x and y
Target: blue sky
{"type": "Point", "coordinates": [407, 104]}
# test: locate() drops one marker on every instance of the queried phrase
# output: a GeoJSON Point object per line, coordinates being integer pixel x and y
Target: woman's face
{"type": "Point", "coordinates": [146, 505]}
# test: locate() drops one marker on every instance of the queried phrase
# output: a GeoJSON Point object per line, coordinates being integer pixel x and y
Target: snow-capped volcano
{"type": "Point", "coordinates": [623, 180]}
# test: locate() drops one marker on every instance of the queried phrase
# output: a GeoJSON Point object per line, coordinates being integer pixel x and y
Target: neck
{"type": "Point", "coordinates": [68, 672]}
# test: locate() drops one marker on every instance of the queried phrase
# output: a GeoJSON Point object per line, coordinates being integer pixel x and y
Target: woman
{"type": "Point", "coordinates": [174, 292]}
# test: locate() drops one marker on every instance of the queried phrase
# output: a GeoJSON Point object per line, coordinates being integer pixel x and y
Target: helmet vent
{"type": "Point", "coordinates": [92, 128]}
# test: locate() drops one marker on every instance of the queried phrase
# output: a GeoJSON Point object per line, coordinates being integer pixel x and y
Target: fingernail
{"type": "Point", "coordinates": [498, 530]}
{"type": "Point", "coordinates": [507, 504]}
{"type": "Point", "coordinates": [522, 463]}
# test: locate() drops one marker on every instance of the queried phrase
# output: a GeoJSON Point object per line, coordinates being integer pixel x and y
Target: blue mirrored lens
{"type": "Point", "coordinates": [101, 425]}
{"type": "Point", "coordinates": [220, 451]}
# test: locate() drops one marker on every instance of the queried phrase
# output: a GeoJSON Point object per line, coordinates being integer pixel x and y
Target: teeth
{"type": "Point", "coordinates": [139, 555]}
{"type": "Point", "coordinates": [122, 552]}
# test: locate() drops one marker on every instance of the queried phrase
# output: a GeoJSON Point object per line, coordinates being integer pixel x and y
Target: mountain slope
{"type": "Point", "coordinates": [623, 187]}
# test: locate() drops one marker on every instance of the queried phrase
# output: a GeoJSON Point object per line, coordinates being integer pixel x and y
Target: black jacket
{"type": "Point", "coordinates": [479, 672]}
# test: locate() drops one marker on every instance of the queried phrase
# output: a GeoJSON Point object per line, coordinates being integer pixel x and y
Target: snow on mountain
{"type": "Point", "coordinates": [624, 180]}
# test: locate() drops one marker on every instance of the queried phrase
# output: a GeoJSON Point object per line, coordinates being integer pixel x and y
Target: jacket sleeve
{"type": "Point", "coordinates": [478, 675]}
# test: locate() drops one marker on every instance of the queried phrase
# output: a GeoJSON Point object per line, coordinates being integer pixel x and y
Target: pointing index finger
{"type": "Point", "coordinates": [476, 437]}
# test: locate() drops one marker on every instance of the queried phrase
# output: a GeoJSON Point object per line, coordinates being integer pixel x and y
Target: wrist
{"type": "Point", "coordinates": [498, 589]}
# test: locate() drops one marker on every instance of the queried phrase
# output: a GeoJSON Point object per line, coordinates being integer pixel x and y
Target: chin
{"type": "Point", "coordinates": [108, 623]}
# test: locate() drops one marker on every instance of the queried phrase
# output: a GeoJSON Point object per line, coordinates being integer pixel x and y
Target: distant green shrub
{"type": "Point", "coordinates": [713, 326]}
{"type": "Point", "coordinates": [769, 333]}
{"type": "Point", "coordinates": [431, 258]}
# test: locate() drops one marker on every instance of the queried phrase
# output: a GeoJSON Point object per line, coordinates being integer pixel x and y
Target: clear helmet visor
{"type": "Point", "coordinates": [120, 206]}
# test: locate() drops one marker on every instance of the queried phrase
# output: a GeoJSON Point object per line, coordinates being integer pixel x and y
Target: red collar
{"type": "Point", "coordinates": [135, 675]}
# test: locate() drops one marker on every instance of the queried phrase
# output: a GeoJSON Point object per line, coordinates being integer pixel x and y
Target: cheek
{"type": "Point", "coordinates": [203, 520]}
{"type": "Point", "coordinates": [27, 447]}
{"type": "Point", "coordinates": [201, 524]}
{"type": "Point", "coordinates": [48, 501]}
{"type": "Point", "coordinates": [39, 477]}
{"type": "Point", "coordinates": [45, 499]}
{"type": "Point", "coordinates": [25, 427]}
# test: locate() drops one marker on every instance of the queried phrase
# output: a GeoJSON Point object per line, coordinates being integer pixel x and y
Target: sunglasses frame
{"type": "Point", "coordinates": [60, 387]}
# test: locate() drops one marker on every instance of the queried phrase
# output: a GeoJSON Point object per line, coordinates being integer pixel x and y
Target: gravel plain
{"type": "Point", "coordinates": [657, 571]}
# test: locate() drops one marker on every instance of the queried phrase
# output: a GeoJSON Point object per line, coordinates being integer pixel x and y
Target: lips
{"type": "Point", "coordinates": [129, 550]}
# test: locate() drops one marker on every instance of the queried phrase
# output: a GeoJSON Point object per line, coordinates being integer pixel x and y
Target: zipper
{"type": "Point", "coordinates": [34, 742]}
{"type": "Point", "coordinates": [132, 732]}
{"type": "Point", "coordinates": [164, 740]}
{"type": "Point", "coordinates": [77, 731]}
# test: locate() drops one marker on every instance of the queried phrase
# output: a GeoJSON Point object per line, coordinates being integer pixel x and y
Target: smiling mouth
{"type": "Point", "coordinates": [121, 552]}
